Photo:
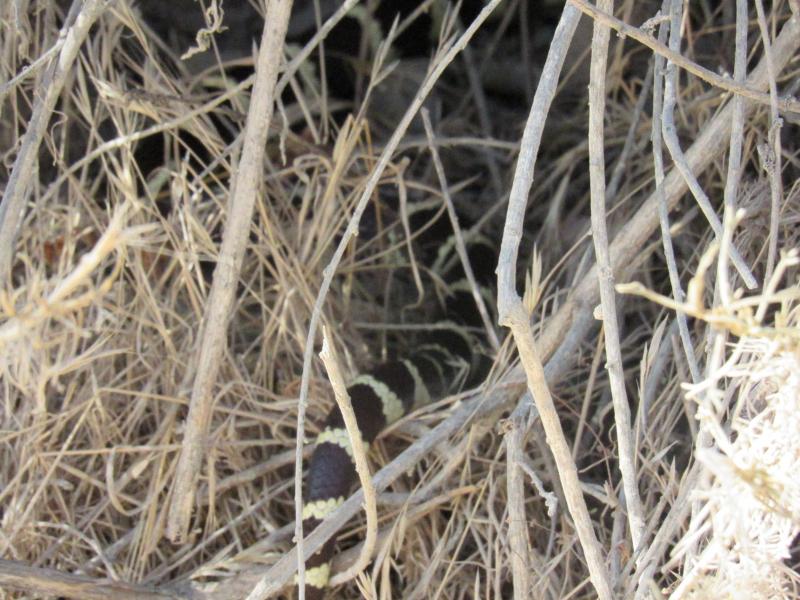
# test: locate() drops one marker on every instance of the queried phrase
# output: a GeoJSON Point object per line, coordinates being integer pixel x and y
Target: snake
{"type": "Point", "coordinates": [443, 360]}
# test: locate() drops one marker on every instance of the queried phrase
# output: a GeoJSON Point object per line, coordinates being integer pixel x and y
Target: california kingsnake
{"type": "Point", "coordinates": [443, 360]}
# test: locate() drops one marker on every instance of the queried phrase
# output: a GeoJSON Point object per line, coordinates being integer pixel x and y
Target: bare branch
{"type": "Point", "coordinates": [220, 300]}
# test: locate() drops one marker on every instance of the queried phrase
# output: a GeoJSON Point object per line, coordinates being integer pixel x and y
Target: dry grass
{"type": "Point", "coordinates": [103, 309]}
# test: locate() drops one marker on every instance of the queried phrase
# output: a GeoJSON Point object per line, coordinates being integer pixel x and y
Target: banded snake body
{"type": "Point", "coordinates": [444, 359]}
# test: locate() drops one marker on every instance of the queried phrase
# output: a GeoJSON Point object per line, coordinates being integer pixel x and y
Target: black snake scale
{"type": "Point", "coordinates": [442, 361]}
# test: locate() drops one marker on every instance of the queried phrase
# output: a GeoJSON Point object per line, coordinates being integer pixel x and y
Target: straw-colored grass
{"type": "Point", "coordinates": [129, 375]}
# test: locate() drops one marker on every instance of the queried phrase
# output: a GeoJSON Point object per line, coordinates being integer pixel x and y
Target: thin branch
{"type": "Point", "coordinates": [772, 149]}
{"type": "Point", "coordinates": [218, 308]}
{"type": "Point", "coordinates": [724, 83]}
{"type": "Point", "coordinates": [670, 132]}
{"type": "Point", "coordinates": [328, 356]}
{"type": "Point", "coordinates": [597, 179]}
{"type": "Point", "coordinates": [663, 210]}
{"type": "Point", "coordinates": [50, 582]}
{"type": "Point", "coordinates": [716, 337]}
{"type": "Point", "coordinates": [514, 315]}
{"type": "Point", "coordinates": [734, 172]}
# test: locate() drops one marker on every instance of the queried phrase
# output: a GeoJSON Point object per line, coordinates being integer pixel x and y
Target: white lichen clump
{"type": "Point", "coordinates": [747, 508]}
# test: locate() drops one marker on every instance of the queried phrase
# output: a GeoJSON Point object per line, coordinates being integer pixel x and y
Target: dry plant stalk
{"type": "Point", "coordinates": [218, 308]}
{"type": "Point", "coordinates": [328, 356]}
{"type": "Point", "coordinates": [512, 313]}
{"type": "Point", "coordinates": [622, 416]}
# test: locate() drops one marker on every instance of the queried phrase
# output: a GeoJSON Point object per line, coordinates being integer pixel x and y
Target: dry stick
{"type": "Point", "coordinates": [673, 145]}
{"type": "Point", "coordinates": [725, 83]}
{"type": "Point", "coordinates": [226, 274]}
{"type": "Point", "coordinates": [330, 270]}
{"type": "Point", "coordinates": [514, 315]}
{"type": "Point", "coordinates": [734, 172]}
{"type": "Point", "coordinates": [663, 210]}
{"type": "Point", "coordinates": [670, 133]}
{"type": "Point", "coordinates": [564, 334]}
{"type": "Point", "coordinates": [358, 447]}
{"type": "Point", "coordinates": [772, 149]}
{"type": "Point", "coordinates": [722, 297]}
{"type": "Point", "coordinates": [50, 582]}
{"type": "Point", "coordinates": [461, 247]}
{"type": "Point", "coordinates": [49, 89]}
{"type": "Point", "coordinates": [568, 473]}
{"type": "Point", "coordinates": [519, 543]}
{"type": "Point", "coordinates": [597, 174]}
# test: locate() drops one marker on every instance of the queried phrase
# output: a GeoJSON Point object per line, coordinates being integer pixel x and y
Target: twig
{"type": "Point", "coordinates": [519, 543]}
{"type": "Point", "coordinates": [50, 582]}
{"type": "Point", "coordinates": [514, 315]}
{"type": "Point", "coordinates": [622, 414]}
{"type": "Point", "coordinates": [330, 270]}
{"type": "Point", "coordinates": [220, 300]}
{"type": "Point", "coordinates": [461, 247]}
{"type": "Point", "coordinates": [716, 337]}
{"type": "Point", "coordinates": [772, 147]}
{"type": "Point", "coordinates": [328, 357]}
{"type": "Point", "coordinates": [16, 193]}
{"type": "Point", "coordinates": [663, 210]}
{"type": "Point", "coordinates": [725, 83]}
{"type": "Point", "coordinates": [734, 172]}
{"type": "Point", "coordinates": [670, 132]}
